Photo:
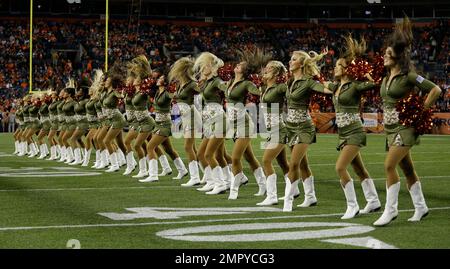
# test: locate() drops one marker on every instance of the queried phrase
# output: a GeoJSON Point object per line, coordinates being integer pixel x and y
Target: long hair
{"type": "Point", "coordinates": [401, 41]}
{"type": "Point", "coordinates": [279, 68]}
{"type": "Point", "coordinates": [309, 61]}
{"type": "Point", "coordinates": [139, 67]}
{"type": "Point", "coordinates": [116, 74]}
{"type": "Point", "coordinates": [182, 70]}
{"type": "Point", "coordinates": [96, 84]}
{"type": "Point", "coordinates": [203, 59]}
{"type": "Point", "coordinates": [353, 49]}
{"type": "Point", "coordinates": [255, 60]}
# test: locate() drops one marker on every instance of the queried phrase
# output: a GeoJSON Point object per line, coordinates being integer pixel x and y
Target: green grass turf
{"type": "Point", "coordinates": [51, 201]}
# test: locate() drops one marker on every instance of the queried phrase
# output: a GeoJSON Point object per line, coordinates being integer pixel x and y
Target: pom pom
{"type": "Point", "coordinates": [129, 90]}
{"type": "Point", "coordinates": [282, 78]}
{"type": "Point", "coordinates": [37, 103]}
{"type": "Point", "coordinates": [48, 99]}
{"type": "Point", "coordinates": [147, 85]}
{"type": "Point", "coordinates": [256, 79]}
{"type": "Point", "coordinates": [377, 68]}
{"type": "Point", "coordinates": [320, 77]}
{"type": "Point", "coordinates": [226, 72]}
{"type": "Point", "coordinates": [171, 88]}
{"type": "Point", "coordinates": [412, 113]}
{"type": "Point", "coordinates": [358, 68]}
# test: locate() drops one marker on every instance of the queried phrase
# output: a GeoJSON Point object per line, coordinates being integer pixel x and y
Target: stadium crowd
{"type": "Point", "coordinates": [74, 49]}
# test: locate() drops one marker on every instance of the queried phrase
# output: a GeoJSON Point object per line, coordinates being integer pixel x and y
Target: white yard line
{"type": "Point", "coordinates": [79, 226]}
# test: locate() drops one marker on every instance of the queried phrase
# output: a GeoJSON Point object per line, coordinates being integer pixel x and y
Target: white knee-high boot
{"type": "Point", "coordinates": [166, 170]}
{"type": "Point", "coordinates": [182, 171]}
{"type": "Point", "coordinates": [421, 209]}
{"type": "Point", "coordinates": [236, 182]}
{"type": "Point", "coordinates": [296, 190]}
{"type": "Point", "coordinates": [370, 193]}
{"type": "Point", "coordinates": [152, 171]}
{"type": "Point", "coordinates": [271, 185]}
{"type": "Point", "coordinates": [352, 204]}
{"type": "Point", "coordinates": [310, 194]}
{"type": "Point", "coordinates": [114, 163]}
{"type": "Point", "coordinates": [63, 154]}
{"type": "Point", "coordinates": [194, 174]}
{"type": "Point", "coordinates": [219, 186]}
{"type": "Point", "coordinates": [289, 195]}
{"type": "Point", "coordinates": [16, 147]}
{"type": "Point", "coordinates": [131, 164]}
{"type": "Point", "coordinates": [98, 156]}
{"type": "Point", "coordinates": [142, 168]}
{"type": "Point", "coordinates": [87, 157]}
{"type": "Point", "coordinates": [390, 212]}
{"type": "Point", "coordinates": [208, 178]}
{"type": "Point", "coordinates": [261, 180]}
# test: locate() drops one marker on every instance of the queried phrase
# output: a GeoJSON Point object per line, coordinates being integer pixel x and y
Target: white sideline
{"type": "Point", "coordinates": [185, 222]}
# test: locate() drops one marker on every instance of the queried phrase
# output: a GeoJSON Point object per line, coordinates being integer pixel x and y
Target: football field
{"type": "Point", "coordinates": [46, 204]}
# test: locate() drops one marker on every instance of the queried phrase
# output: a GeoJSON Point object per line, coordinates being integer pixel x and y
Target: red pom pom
{"type": "Point", "coordinates": [377, 68]}
{"type": "Point", "coordinates": [412, 113]}
{"type": "Point", "coordinates": [256, 79]}
{"type": "Point", "coordinates": [282, 78]}
{"type": "Point", "coordinates": [37, 103]}
{"type": "Point", "coordinates": [48, 99]}
{"type": "Point", "coordinates": [226, 72]}
{"type": "Point", "coordinates": [147, 85]}
{"type": "Point", "coordinates": [172, 87]}
{"type": "Point", "coordinates": [320, 77]}
{"type": "Point", "coordinates": [358, 68]}
{"type": "Point", "coordinates": [129, 90]}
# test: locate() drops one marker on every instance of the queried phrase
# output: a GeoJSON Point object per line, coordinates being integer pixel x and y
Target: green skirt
{"type": "Point", "coordinates": [146, 125]}
{"type": "Point", "coordinates": [46, 125]}
{"type": "Point", "coordinates": [352, 134]}
{"type": "Point", "coordinates": [277, 135]}
{"type": "Point", "coordinates": [83, 125]}
{"type": "Point", "coordinates": [163, 128]}
{"type": "Point", "coordinates": [400, 135]}
{"type": "Point", "coordinates": [243, 128]}
{"type": "Point", "coordinates": [71, 126]}
{"type": "Point", "coordinates": [118, 121]}
{"type": "Point", "coordinates": [55, 125]}
{"type": "Point", "coordinates": [300, 133]}
{"type": "Point", "coordinates": [35, 124]}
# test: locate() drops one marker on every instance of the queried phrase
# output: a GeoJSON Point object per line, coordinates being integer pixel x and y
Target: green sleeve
{"type": "Point", "coordinates": [333, 86]}
{"type": "Point", "coordinates": [421, 82]}
{"type": "Point", "coordinates": [282, 88]}
{"type": "Point", "coordinates": [316, 86]}
{"type": "Point", "coordinates": [364, 86]}
{"type": "Point", "coordinates": [220, 84]}
{"type": "Point", "coordinates": [251, 87]}
{"type": "Point", "coordinates": [194, 88]}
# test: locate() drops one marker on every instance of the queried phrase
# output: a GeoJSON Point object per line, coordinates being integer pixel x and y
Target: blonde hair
{"type": "Point", "coordinates": [182, 69]}
{"type": "Point", "coordinates": [354, 49]}
{"type": "Point", "coordinates": [98, 77]}
{"type": "Point", "coordinates": [309, 61]}
{"type": "Point", "coordinates": [204, 59]}
{"type": "Point", "coordinates": [278, 66]}
{"type": "Point", "coordinates": [255, 59]}
{"type": "Point", "coordinates": [139, 67]}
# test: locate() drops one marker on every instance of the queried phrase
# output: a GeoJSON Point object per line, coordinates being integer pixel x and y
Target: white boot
{"type": "Point", "coordinates": [21, 149]}
{"type": "Point", "coordinates": [271, 185]}
{"type": "Point", "coordinates": [16, 147]}
{"type": "Point", "coordinates": [236, 182]}
{"type": "Point", "coordinates": [70, 155]}
{"type": "Point", "coordinates": [289, 195]}
{"type": "Point", "coordinates": [142, 168]}
{"type": "Point", "coordinates": [52, 153]}
{"type": "Point", "coordinates": [182, 171]}
{"type": "Point", "coordinates": [63, 154]}
{"type": "Point", "coordinates": [114, 163]}
{"type": "Point", "coordinates": [296, 191]}
{"type": "Point", "coordinates": [421, 209]}
{"type": "Point", "coordinates": [194, 173]}
{"type": "Point", "coordinates": [352, 204]}
{"type": "Point", "coordinates": [166, 170]}
{"type": "Point", "coordinates": [390, 212]}
{"type": "Point", "coordinates": [310, 194]}
{"type": "Point", "coordinates": [370, 193]}
{"type": "Point", "coordinates": [34, 150]}
{"type": "Point", "coordinates": [208, 178]}
{"type": "Point", "coordinates": [121, 157]}
{"type": "Point", "coordinates": [97, 158]}
{"type": "Point", "coordinates": [78, 160]}
{"type": "Point", "coordinates": [131, 165]}
{"type": "Point", "coordinates": [261, 180]}
{"type": "Point", "coordinates": [58, 151]}
{"type": "Point", "coordinates": [228, 176]}
{"type": "Point", "coordinates": [152, 171]}
{"type": "Point", "coordinates": [46, 152]}
{"type": "Point", "coordinates": [219, 186]}
{"type": "Point", "coordinates": [42, 150]}
{"type": "Point", "coordinates": [87, 157]}
{"type": "Point", "coordinates": [103, 159]}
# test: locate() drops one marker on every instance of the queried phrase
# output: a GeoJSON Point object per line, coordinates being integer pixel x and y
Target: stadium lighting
{"type": "Point", "coordinates": [374, 1]}
{"type": "Point", "coordinates": [74, 1]}
{"type": "Point", "coordinates": [368, 12]}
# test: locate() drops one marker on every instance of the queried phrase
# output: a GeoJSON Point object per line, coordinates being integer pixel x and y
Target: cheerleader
{"type": "Point", "coordinates": [241, 127]}
{"type": "Point", "coordinates": [103, 128]}
{"type": "Point", "coordinates": [33, 124]}
{"type": "Point", "coordinates": [161, 134]}
{"type": "Point", "coordinates": [82, 122]}
{"type": "Point", "coordinates": [346, 99]}
{"type": "Point", "coordinates": [61, 127]}
{"type": "Point", "coordinates": [92, 118]}
{"type": "Point", "coordinates": [114, 82]}
{"type": "Point", "coordinates": [299, 126]}
{"type": "Point", "coordinates": [400, 81]}
{"type": "Point", "coordinates": [70, 120]}
{"type": "Point", "coordinates": [133, 124]}
{"type": "Point", "coordinates": [182, 72]}
{"type": "Point", "coordinates": [45, 100]}
{"type": "Point", "coordinates": [54, 124]}
{"type": "Point", "coordinates": [272, 104]}
{"type": "Point", "coordinates": [18, 133]}
{"type": "Point", "coordinates": [213, 119]}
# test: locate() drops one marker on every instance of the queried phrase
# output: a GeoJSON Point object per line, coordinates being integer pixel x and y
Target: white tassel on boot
{"type": "Point", "coordinates": [87, 157]}
{"type": "Point", "coordinates": [370, 193]}
{"type": "Point", "coordinates": [152, 171]}
{"type": "Point", "coordinates": [166, 170]}
{"type": "Point", "coordinates": [194, 173]}
{"type": "Point", "coordinates": [289, 195]}
{"type": "Point", "coordinates": [421, 209]}
{"type": "Point", "coordinates": [181, 168]}
{"type": "Point", "coordinates": [114, 163]}
{"type": "Point", "coordinates": [131, 164]}
{"type": "Point", "coordinates": [390, 212]}
{"type": "Point", "coordinates": [352, 204]}
{"type": "Point", "coordinates": [142, 168]}
{"type": "Point", "coordinates": [271, 185]}
{"type": "Point", "coordinates": [261, 180]}
{"type": "Point", "coordinates": [208, 178]}
{"type": "Point", "coordinates": [219, 185]}
{"type": "Point", "coordinates": [310, 194]}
